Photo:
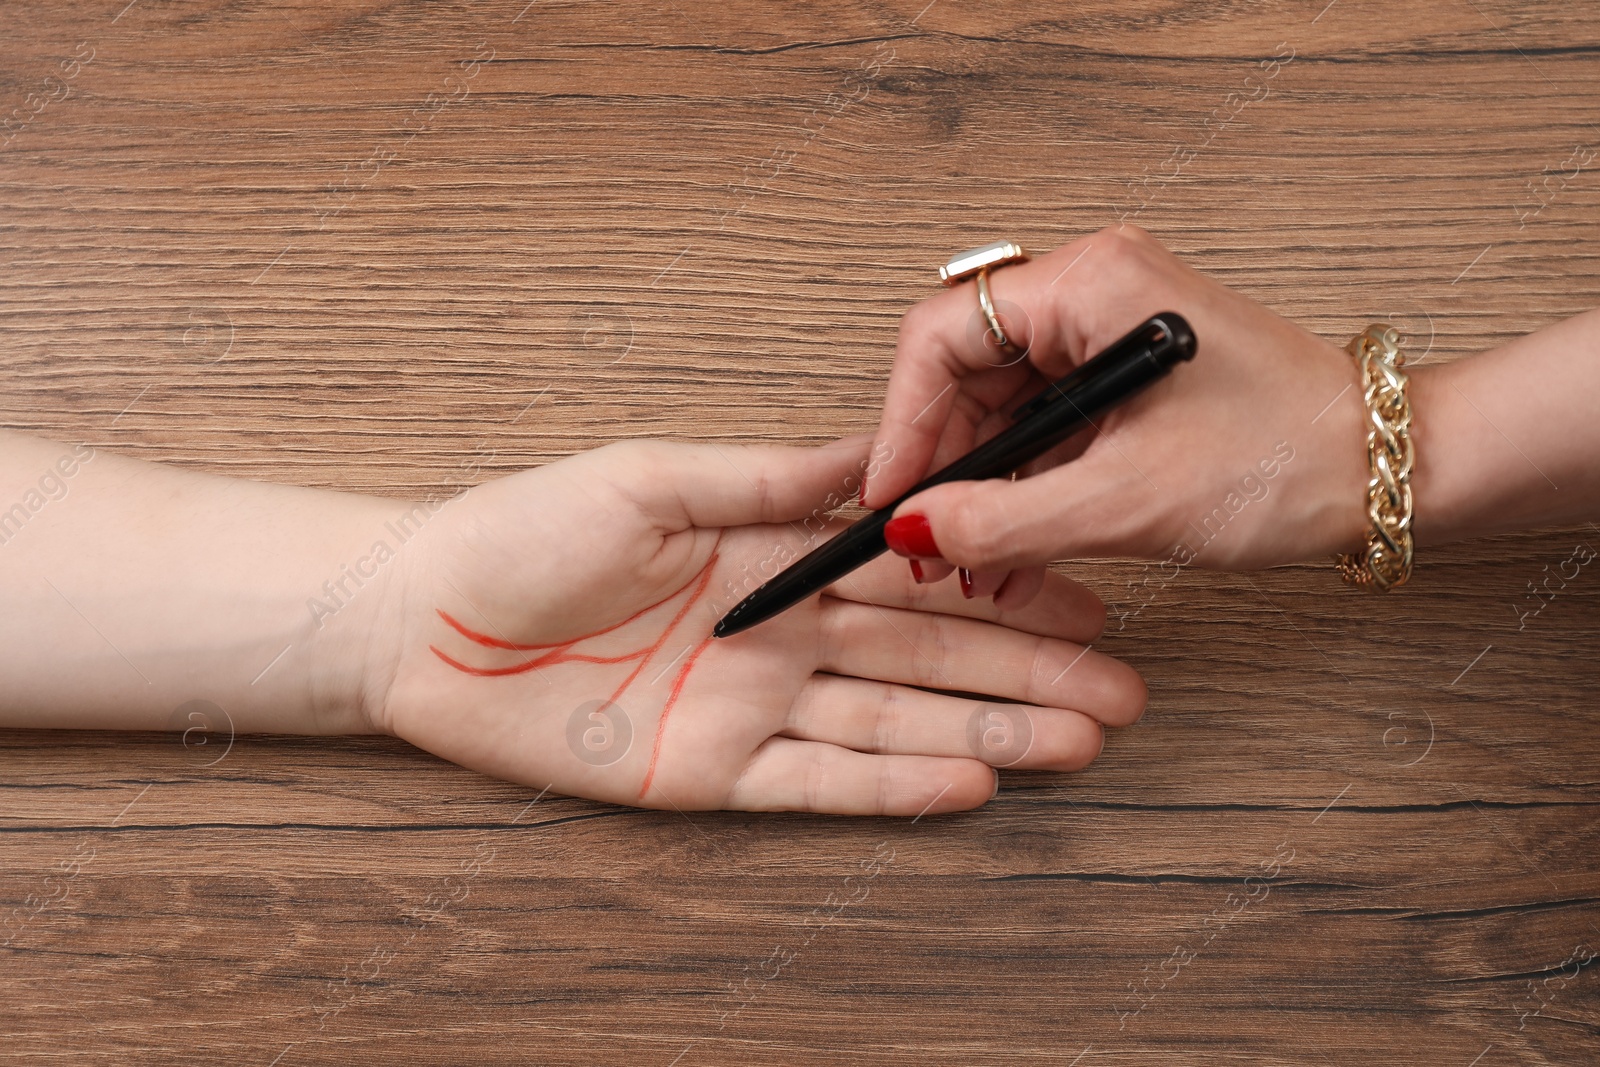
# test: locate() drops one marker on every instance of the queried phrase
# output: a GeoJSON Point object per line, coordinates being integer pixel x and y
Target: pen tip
{"type": "Point", "coordinates": [734, 622]}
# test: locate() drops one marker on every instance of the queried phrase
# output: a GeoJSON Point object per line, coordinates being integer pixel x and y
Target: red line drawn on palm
{"type": "Point", "coordinates": [553, 654]}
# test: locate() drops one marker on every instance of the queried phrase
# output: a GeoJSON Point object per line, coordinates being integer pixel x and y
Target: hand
{"type": "Point", "coordinates": [1252, 454]}
{"type": "Point", "coordinates": [557, 630]}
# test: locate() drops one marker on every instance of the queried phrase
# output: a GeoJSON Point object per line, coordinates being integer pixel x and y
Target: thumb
{"type": "Point", "coordinates": [682, 484]}
{"type": "Point", "coordinates": [1003, 525]}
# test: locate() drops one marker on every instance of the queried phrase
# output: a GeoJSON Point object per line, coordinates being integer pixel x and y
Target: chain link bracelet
{"type": "Point", "coordinates": [1386, 562]}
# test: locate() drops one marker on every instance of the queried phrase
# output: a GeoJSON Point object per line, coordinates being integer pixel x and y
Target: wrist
{"type": "Point", "coordinates": [293, 616]}
{"type": "Point", "coordinates": [1442, 483]}
{"type": "Point", "coordinates": [1341, 523]}
{"type": "Point", "coordinates": [1325, 510]}
{"type": "Point", "coordinates": [357, 618]}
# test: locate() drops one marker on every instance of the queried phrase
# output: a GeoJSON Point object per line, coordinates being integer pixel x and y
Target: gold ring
{"type": "Point", "coordinates": [996, 330]}
{"type": "Point", "coordinates": [977, 264]}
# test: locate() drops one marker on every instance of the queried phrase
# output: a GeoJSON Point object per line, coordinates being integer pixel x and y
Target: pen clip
{"type": "Point", "coordinates": [1077, 376]}
{"type": "Point", "coordinates": [1030, 406]}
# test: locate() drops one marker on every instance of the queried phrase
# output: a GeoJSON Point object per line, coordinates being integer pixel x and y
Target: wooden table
{"type": "Point", "coordinates": [349, 245]}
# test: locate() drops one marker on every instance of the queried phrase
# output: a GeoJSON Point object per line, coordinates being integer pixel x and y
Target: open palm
{"type": "Point", "coordinates": [557, 633]}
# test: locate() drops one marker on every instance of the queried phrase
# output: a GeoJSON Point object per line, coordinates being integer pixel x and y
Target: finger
{"type": "Point", "coordinates": [1025, 583]}
{"type": "Point", "coordinates": [1070, 512]}
{"type": "Point", "coordinates": [890, 719]}
{"type": "Point", "coordinates": [683, 484]}
{"type": "Point", "coordinates": [1020, 587]}
{"type": "Point", "coordinates": [974, 427]}
{"type": "Point", "coordinates": [967, 656]}
{"type": "Point", "coordinates": [928, 571]}
{"type": "Point", "coordinates": [979, 584]}
{"type": "Point", "coordinates": [789, 775]}
{"type": "Point", "coordinates": [965, 428]}
{"type": "Point", "coordinates": [1029, 387]}
{"type": "Point", "coordinates": [937, 349]}
{"type": "Point", "coordinates": [1062, 609]}
{"type": "Point", "coordinates": [979, 413]}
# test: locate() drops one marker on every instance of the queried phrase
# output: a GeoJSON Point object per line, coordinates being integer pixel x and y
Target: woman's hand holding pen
{"type": "Point", "coordinates": [1252, 454]}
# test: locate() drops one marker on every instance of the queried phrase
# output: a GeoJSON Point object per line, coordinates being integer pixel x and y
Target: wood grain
{"type": "Point", "coordinates": [244, 238]}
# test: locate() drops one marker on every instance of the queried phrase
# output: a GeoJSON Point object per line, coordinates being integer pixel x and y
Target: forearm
{"type": "Point", "coordinates": [1510, 439]}
{"type": "Point", "coordinates": [131, 589]}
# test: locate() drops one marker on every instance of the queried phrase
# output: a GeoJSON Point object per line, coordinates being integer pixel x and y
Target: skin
{"type": "Point", "coordinates": [134, 588]}
{"type": "Point", "coordinates": [1495, 435]}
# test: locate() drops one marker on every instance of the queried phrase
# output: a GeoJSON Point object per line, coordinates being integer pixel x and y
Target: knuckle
{"type": "Point", "coordinates": [1127, 237]}
{"type": "Point", "coordinates": [1041, 674]}
{"type": "Point", "coordinates": [628, 453]}
{"type": "Point", "coordinates": [915, 322]}
{"type": "Point", "coordinates": [975, 537]}
{"type": "Point", "coordinates": [934, 646]}
{"type": "Point", "coordinates": [886, 725]}
{"type": "Point", "coordinates": [1122, 247]}
{"type": "Point", "coordinates": [812, 787]}
{"type": "Point", "coordinates": [763, 488]}
{"type": "Point", "coordinates": [941, 650]}
{"type": "Point", "coordinates": [1138, 235]}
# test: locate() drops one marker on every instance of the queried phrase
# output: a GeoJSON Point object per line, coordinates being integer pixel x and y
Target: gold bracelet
{"type": "Point", "coordinates": [1386, 563]}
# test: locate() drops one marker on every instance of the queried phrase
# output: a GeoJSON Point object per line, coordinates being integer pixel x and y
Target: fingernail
{"type": "Point", "coordinates": [966, 581]}
{"type": "Point", "coordinates": [910, 535]}
{"type": "Point", "coordinates": [916, 571]}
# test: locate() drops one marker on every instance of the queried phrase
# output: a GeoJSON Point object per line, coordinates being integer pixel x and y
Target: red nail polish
{"type": "Point", "coordinates": [910, 535]}
{"type": "Point", "coordinates": [916, 571]}
{"type": "Point", "coordinates": [966, 582]}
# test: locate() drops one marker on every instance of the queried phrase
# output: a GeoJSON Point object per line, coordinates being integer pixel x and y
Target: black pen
{"type": "Point", "coordinates": [1065, 407]}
